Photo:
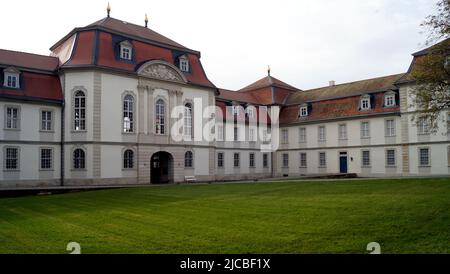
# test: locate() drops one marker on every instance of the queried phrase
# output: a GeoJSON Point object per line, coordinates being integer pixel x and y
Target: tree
{"type": "Point", "coordinates": [431, 69]}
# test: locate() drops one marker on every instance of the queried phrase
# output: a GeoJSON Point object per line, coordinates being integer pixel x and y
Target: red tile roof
{"type": "Point", "coordinates": [28, 60]}
{"type": "Point", "coordinates": [35, 86]}
{"type": "Point", "coordinates": [98, 50]}
{"type": "Point", "coordinates": [269, 81]}
{"type": "Point", "coordinates": [345, 90]}
{"type": "Point", "coordinates": [333, 109]}
{"type": "Point", "coordinates": [130, 29]}
{"type": "Point", "coordinates": [38, 78]}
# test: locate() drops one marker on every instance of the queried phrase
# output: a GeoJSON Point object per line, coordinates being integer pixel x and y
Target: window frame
{"type": "Point", "coordinates": [322, 137]}
{"type": "Point", "coordinates": [387, 102]}
{"type": "Point", "coordinates": [126, 51]}
{"type": "Point", "coordinates": [366, 162]}
{"type": "Point", "coordinates": [44, 120]}
{"type": "Point", "coordinates": [303, 160]}
{"type": "Point", "coordinates": [343, 136]}
{"type": "Point", "coordinates": [81, 110]}
{"type": "Point", "coordinates": [189, 159]}
{"type": "Point", "coordinates": [421, 163]}
{"type": "Point", "coordinates": [365, 99]}
{"type": "Point", "coordinates": [322, 164]}
{"type": "Point", "coordinates": [285, 136]}
{"type": "Point", "coordinates": [220, 160]}
{"type": "Point", "coordinates": [236, 160]}
{"type": "Point", "coordinates": [128, 109]}
{"type": "Point", "coordinates": [252, 160]}
{"type": "Point", "coordinates": [188, 120]}
{"type": "Point", "coordinates": [388, 158]}
{"type": "Point", "coordinates": [11, 120]}
{"type": "Point", "coordinates": [363, 130]}
{"type": "Point", "coordinates": [6, 159]}
{"type": "Point", "coordinates": [184, 64]}
{"type": "Point", "coordinates": [285, 160]}
{"type": "Point", "coordinates": [390, 131]}
{"type": "Point", "coordinates": [423, 126]}
{"type": "Point", "coordinates": [79, 164]}
{"type": "Point", "coordinates": [50, 159]}
{"type": "Point", "coordinates": [160, 117]}
{"type": "Point", "coordinates": [302, 138]}
{"type": "Point", "coordinates": [127, 163]}
{"type": "Point", "coordinates": [265, 160]}
{"type": "Point", "coordinates": [303, 111]}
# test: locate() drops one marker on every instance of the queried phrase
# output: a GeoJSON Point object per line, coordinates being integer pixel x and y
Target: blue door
{"type": "Point", "coordinates": [343, 164]}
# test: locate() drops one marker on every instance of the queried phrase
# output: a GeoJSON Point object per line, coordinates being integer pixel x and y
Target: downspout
{"type": "Point", "coordinates": [62, 142]}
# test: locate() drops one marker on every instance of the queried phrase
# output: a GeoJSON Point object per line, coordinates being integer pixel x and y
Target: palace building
{"type": "Point", "coordinates": [98, 111]}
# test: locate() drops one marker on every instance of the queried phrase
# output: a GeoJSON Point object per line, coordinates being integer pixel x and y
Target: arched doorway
{"type": "Point", "coordinates": [161, 168]}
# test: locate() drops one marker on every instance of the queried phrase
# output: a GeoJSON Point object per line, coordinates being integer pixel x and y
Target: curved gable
{"type": "Point", "coordinates": [161, 70]}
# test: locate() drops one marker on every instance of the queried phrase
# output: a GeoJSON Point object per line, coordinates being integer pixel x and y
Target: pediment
{"type": "Point", "coordinates": [161, 70]}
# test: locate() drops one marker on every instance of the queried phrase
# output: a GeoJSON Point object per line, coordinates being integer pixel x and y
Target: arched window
{"type": "Point", "coordinates": [188, 159]}
{"type": "Point", "coordinates": [128, 114]}
{"type": "Point", "coordinates": [128, 159]}
{"type": "Point", "coordinates": [79, 111]}
{"type": "Point", "coordinates": [188, 120]}
{"type": "Point", "coordinates": [160, 118]}
{"type": "Point", "coordinates": [79, 159]}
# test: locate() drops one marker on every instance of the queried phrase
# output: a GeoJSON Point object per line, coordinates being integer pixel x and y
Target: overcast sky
{"type": "Point", "coordinates": [306, 42]}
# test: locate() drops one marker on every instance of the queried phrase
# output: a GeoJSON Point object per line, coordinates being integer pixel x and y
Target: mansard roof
{"type": "Point", "coordinates": [38, 78]}
{"type": "Point", "coordinates": [130, 30]}
{"type": "Point", "coordinates": [97, 45]}
{"type": "Point", "coordinates": [28, 60]}
{"type": "Point", "coordinates": [380, 84]}
{"type": "Point", "coordinates": [268, 81]}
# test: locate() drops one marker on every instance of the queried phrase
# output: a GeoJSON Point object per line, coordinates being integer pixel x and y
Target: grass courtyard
{"type": "Point", "coordinates": [404, 216]}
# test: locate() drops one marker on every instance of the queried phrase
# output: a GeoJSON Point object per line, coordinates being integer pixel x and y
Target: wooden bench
{"type": "Point", "coordinates": [190, 179]}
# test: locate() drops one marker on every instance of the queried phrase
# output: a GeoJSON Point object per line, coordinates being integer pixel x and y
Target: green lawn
{"type": "Point", "coordinates": [404, 216]}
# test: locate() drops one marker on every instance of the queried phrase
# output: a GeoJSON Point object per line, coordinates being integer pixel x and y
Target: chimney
{"type": "Point", "coordinates": [332, 83]}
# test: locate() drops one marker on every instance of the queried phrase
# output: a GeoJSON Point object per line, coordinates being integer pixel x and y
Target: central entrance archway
{"type": "Point", "coordinates": [161, 168]}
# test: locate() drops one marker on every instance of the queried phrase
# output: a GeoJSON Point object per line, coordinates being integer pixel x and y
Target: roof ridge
{"type": "Point", "coordinates": [357, 81]}
{"type": "Point", "coordinates": [29, 53]}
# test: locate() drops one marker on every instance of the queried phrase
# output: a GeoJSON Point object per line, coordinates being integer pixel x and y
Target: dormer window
{"type": "Point", "coordinates": [184, 64]}
{"type": "Point", "coordinates": [389, 100]}
{"type": "Point", "coordinates": [303, 111]}
{"type": "Point", "coordinates": [11, 78]}
{"type": "Point", "coordinates": [126, 50]}
{"type": "Point", "coordinates": [365, 103]}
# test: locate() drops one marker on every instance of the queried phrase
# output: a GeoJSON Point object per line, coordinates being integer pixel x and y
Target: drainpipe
{"type": "Point", "coordinates": [62, 142]}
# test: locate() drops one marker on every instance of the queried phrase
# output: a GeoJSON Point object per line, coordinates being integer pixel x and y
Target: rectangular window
{"type": "Point", "coordinates": [322, 134]}
{"type": "Point", "coordinates": [220, 160]}
{"type": "Point", "coordinates": [366, 158]}
{"type": "Point", "coordinates": [365, 104]}
{"type": "Point", "coordinates": [220, 133]}
{"type": "Point", "coordinates": [251, 135]}
{"type": "Point", "coordinates": [184, 65]}
{"type": "Point", "coordinates": [237, 160]}
{"type": "Point", "coordinates": [12, 81]}
{"type": "Point", "coordinates": [389, 100]}
{"type": "Point", "coordinates": [303, 160]}
{"type": "Point", "coordinates": [424, 157]}
{"type": "Point", "coordinates": [252, 160]}
{"type": "Point", "coordinates": [303, 111]}
{"type": "Point", "coordinates": [390, 157]}
{"type": "Point", "coordinates": [423, 126]}
{"type": "Point", "coordinates": [46, 158]}
{"type": "Point", "coordinates": [46, 120]}
{"type": "Point", "coordinates": [125, 53]}
{"type": "Point", "coordinates": [365, 130]}
{"type": "Point", "coordinates": [11, 158]}
{"type": "Point", "coordinates": [322, 159]}
{"type": "Point", "coordinates": [285, 160]}
{"type": "Point", "coordinates": [302, 135]}
{"type": "Point", "coordinates": [285, 136]}
{"type": "Point", "coordinates": [12, 118]}
{"type": "Point", "coordinates": [265, 160]}
{"type": "Point", "coordinates": [343, 132]}
{"type": "Point", "coordinates": [236, 134]}
{"type": "Point", "coordinates": [390, 128]}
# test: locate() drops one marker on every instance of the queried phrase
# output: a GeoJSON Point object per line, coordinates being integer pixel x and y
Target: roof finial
{"type": "Point", "coordinates": [108, 9]}
{"type": "Point", "coordinates": [268, 70]}
{"type": "Point", "coordinates": [146, 20]}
